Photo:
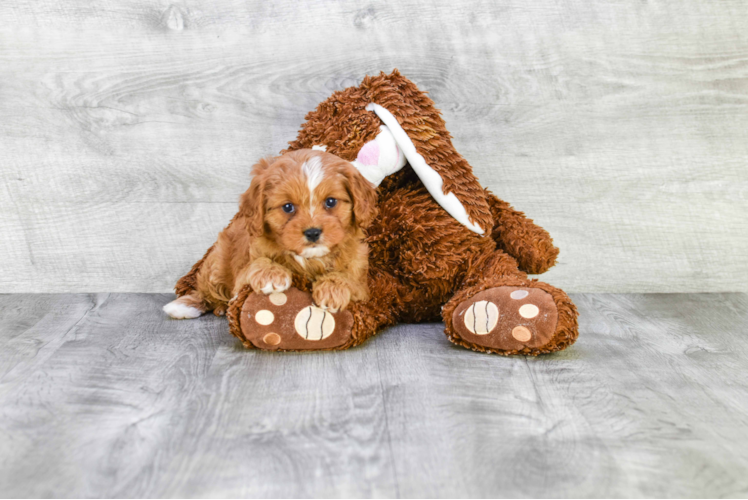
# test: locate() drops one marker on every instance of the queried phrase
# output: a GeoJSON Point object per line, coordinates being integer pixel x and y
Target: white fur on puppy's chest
{"type": "Point", "coordinates": [310, 253]}
{"type": "Point", "coordinates": [177, 310]}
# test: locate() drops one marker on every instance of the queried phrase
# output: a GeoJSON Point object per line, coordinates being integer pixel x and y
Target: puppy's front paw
{"type": "Point", "coordinates": [270, 279]}
{"type": "Point", "coordinates": [332, 295]}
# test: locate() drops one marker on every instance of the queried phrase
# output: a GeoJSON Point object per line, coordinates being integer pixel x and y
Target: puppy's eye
{"type": "Point", "coordinates": [289, 208]}
{"type": "Point", "coordinates": [330, 202]}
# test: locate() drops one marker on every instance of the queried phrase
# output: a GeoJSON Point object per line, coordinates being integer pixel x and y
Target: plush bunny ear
{"type": "Point", "coordinates": [429, 177]}
{"type": "Point", "coordinates": [379, 158]}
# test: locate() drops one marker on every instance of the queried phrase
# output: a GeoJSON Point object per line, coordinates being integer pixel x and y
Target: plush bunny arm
{"type": "Point", "coordinates": [530, 245]}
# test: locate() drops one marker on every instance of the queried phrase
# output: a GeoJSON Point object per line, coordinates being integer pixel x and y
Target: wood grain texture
{"type": "Point", "coordinates": [127, 129]}
{"type": "Point", "coordinates": [103, 396]}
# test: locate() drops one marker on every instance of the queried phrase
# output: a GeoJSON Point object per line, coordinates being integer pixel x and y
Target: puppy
{"type": "Point", "coordinates": [303, 214]}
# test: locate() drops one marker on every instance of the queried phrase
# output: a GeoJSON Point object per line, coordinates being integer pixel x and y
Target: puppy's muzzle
{"type": "Point", "coordinates": [312, 234]}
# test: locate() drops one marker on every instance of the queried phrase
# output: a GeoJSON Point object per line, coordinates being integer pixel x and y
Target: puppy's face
{"type": "Point", "coordinates": [308, 201]}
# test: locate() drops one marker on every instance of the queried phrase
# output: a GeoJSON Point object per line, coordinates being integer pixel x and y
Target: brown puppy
{"type": "Point", "coordinates": [304, 213]}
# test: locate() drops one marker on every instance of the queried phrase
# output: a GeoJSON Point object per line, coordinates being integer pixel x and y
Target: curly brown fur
{"type": "Point", "coordinates": [234, 315]}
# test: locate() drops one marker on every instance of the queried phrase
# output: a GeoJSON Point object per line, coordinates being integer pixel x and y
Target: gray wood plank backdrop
{"type": "Point", "coordinates": [127, 128]}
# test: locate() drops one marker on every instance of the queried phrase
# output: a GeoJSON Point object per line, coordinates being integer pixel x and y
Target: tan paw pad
{"type": "Point", "coordinates": [521, 333]}
{"type": "Point", "coordinates": [529, 311]}
{"type": "Point", "coordinates": [314, 323]}
{"type": "Point", "coordinates": [481, 317]}
{"type": "Point", "coordinates": [264, 317]}
{"type": "Point", "coordinates": [272, 339]}
{"type": "Point", "coordinates": [278, 298]}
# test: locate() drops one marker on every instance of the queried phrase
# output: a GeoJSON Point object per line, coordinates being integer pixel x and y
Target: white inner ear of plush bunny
{"type": "Point", "coordinates": [378, 158]}
{"type": "Point", "coordinates": [388, 153]}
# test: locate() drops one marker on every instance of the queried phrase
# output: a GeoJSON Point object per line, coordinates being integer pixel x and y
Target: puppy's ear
{"type": "Point", "coordinates": [252, 202]}
{"type": "Point", "coordinates": [363, 196]}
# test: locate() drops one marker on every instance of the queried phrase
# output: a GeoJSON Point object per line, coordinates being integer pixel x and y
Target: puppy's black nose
{"type": "Point", "coordinates": [312, 234]}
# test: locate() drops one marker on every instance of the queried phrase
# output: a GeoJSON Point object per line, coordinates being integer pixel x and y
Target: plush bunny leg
{"type": "Point", "coordinates": [289, 321]}
{"type": "Point", "coordinates": [500, 310]}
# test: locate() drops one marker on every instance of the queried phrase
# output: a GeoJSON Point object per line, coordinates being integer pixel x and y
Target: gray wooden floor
{"type": "Point", "coordinates": [101, 395]}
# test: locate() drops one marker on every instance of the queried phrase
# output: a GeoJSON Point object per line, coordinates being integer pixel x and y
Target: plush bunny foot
{"type": "Point", "coordinates": [508, 319]}
{"type": "Point", "coordinates": [289, 321]}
